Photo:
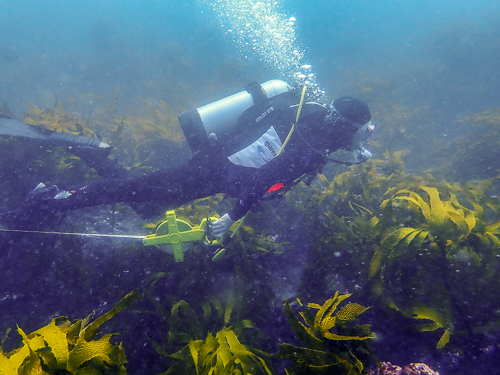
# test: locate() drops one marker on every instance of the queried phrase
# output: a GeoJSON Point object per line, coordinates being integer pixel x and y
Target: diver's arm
{"type": "Point", "coordinates": [293, 163]}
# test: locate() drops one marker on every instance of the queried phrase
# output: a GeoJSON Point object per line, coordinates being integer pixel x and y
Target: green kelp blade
{"type": "Point", "coordinates": [493, 238]}
{"type": "Point", "coordinates": [460, 222]}
{"type": "Point", "coordinates": [183, 353]}
{"type": "Point", "coordinates": [335, 337]}
{"type": "Point", "coordinates": [444, 339]}
{"type": "Point", "coordinates": [125, 302]}
{"type": "Point", "coordinates": [359, 364]}
{"type": "Point", "coordinates": [233, 342]}
{"type": "Point", "coordinates": [338, 299]}
{"type": "Point", "coordinates": [305, 357]}
{"type": "Point", "coordinates": [493, 228]}
{"type": "Point", "coordinates": [417, 201]}
{"type": "Point", "coordinates": [174, 334]}
{"type": "Point", "coordinates": [207, 313]}
{"type": "Point", "coordinates": [405, 237]}
{"type": "Point", "coordinates": [207, 351]}
{"type": "Point", "coordinates": [245, 323]}
{"type": "Point", "coordinates": [229, 307]}
{"type": "Point", "coordinates": [470, 219]}
{"type": "Point", "coordinates": [194, 347]}
{"type": "Point", "coordinates": [249, 362]}
{"type": "Point", "coordinates": [322, 311]}
{"type": "Point", "coordinates": [30, 345]}
{"type": "Point", "coordinates": [223, 352]}
{"type": "Point", "coordinates": [386, 247]}
{"type": "Point", "coordinates": [437, 207]}
{"type": "Point", "coordinates": [219, 310]}
{"type": "Point", "coordinates": [438, 318]}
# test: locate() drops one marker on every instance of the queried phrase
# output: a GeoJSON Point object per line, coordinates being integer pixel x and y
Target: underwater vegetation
{"type": "Point", "coordinates": [331, 343]}
{"type": "Point", "coordinates": [388, 231]}
{"type": "Point", "coordinates": [212, 345]}
{"type": "Point", "coordinates": [63, 347]}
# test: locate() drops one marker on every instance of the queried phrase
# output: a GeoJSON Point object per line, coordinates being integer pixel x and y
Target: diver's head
{"type": "Point", "coordinates": [351, 111]}
{"type": "Point", "coordinates": [346, 125]}
{"type": "Point", "coordinates": [347, 122]}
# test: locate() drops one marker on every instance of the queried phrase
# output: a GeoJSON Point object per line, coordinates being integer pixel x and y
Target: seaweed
{"type": "Point", "coordinates": [65, 347]}
{"type": "Point", "coordinates": [217, 351]}
{"type": "Point", "coordinates": [378, 231]}
{"type": "Point", "coordinates": [444, 235]}
{"type": "Point", "coordinates": [331, 344]}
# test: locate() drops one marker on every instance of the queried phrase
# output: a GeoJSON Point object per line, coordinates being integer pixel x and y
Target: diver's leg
{"type": "Point", "coordinates": [202, 176]}
{"type": "Point", "coordinates": [98, 158]}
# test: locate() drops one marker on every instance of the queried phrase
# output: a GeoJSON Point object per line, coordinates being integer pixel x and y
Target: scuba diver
{"type": "Point", "coordinates": [253, 145]}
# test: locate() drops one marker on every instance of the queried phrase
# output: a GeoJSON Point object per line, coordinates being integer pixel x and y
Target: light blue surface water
{"type": "Point", "coordinates": [64, 48]}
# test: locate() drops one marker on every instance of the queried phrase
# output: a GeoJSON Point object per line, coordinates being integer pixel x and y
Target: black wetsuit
{"type": "Point", "coordinates": [210, 171]}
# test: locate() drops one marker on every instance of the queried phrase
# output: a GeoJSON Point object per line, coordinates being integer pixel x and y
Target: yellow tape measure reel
{"type": "Point", "coordinates": [174, 235]}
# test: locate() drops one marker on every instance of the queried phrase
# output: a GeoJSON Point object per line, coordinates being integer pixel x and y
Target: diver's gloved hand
{"type": "Point", "coordinates": [220, 227]}
{"type": "Point", "coordinates": [41, 193]}
{"type": "Point", "coordinates": [361, 155]}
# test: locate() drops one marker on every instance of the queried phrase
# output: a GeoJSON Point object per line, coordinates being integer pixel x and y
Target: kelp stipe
{"type": "Point", "coordinates": [63, 347]}
{"type": "Point", "coordinates": [330, 342]}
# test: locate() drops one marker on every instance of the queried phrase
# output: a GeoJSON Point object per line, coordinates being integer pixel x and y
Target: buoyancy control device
{"type": "Point", "coordinates": [203, 123]}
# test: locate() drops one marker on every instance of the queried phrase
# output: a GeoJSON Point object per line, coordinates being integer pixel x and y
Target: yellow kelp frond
{"type": "Point", "coordinates": [316, 334]}
{"type": "Point", "coordinates": [62, 346]}
{"type": "Point", "coordinates": [220, 351]}
{"type": "Point", "coordinates": [449, 220]}
{"type": "Point", "coordinates": [219, 354]}
{"type": "Point", "coordinates": [56, 119]}
{"type": "Point", "coordinates": [348, 313]}
{"type": "Point", "coordinates": [190, 320]}
{"type": "Point", "coordinates": [55, 337]}
{"type": "Point", "coordinates": [438, 318]}
{"type": "Point", "coordinates": [325, 320]}
{"type": "Point", "coordinates": [396, 244]}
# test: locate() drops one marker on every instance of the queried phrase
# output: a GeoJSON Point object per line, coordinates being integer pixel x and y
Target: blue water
{"type": "Point", "coordinates": [68, 45]}
{"type": "Point", "coordinates": [442, 55]}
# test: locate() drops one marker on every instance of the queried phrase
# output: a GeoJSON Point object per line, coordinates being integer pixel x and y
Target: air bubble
{"type": "Point", "coordinates": [262, 32]}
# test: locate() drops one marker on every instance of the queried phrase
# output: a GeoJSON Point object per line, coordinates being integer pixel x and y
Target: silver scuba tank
{"type": "Point", "coordinates": [222, 115]}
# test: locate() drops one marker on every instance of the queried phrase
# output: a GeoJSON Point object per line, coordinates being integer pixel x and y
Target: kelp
{"type": "Point", "coordinates": [217, 351]}
{"type": "Point", "coordinates": [443, 232]}
{"type": "Point", "coordinates": [331, 343]}
{"type": "Point", "coordinates": [57, 119]}
{"type": "Point", "coordinates": [147, 139]}
{"type": "Point", "coordinates": [65, 347]}
{"type": "Point", "coordinates": [385, 231]}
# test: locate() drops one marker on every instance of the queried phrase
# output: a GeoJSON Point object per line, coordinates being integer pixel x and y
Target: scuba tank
{"type": "Point", "coordinates": [222, 115]}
